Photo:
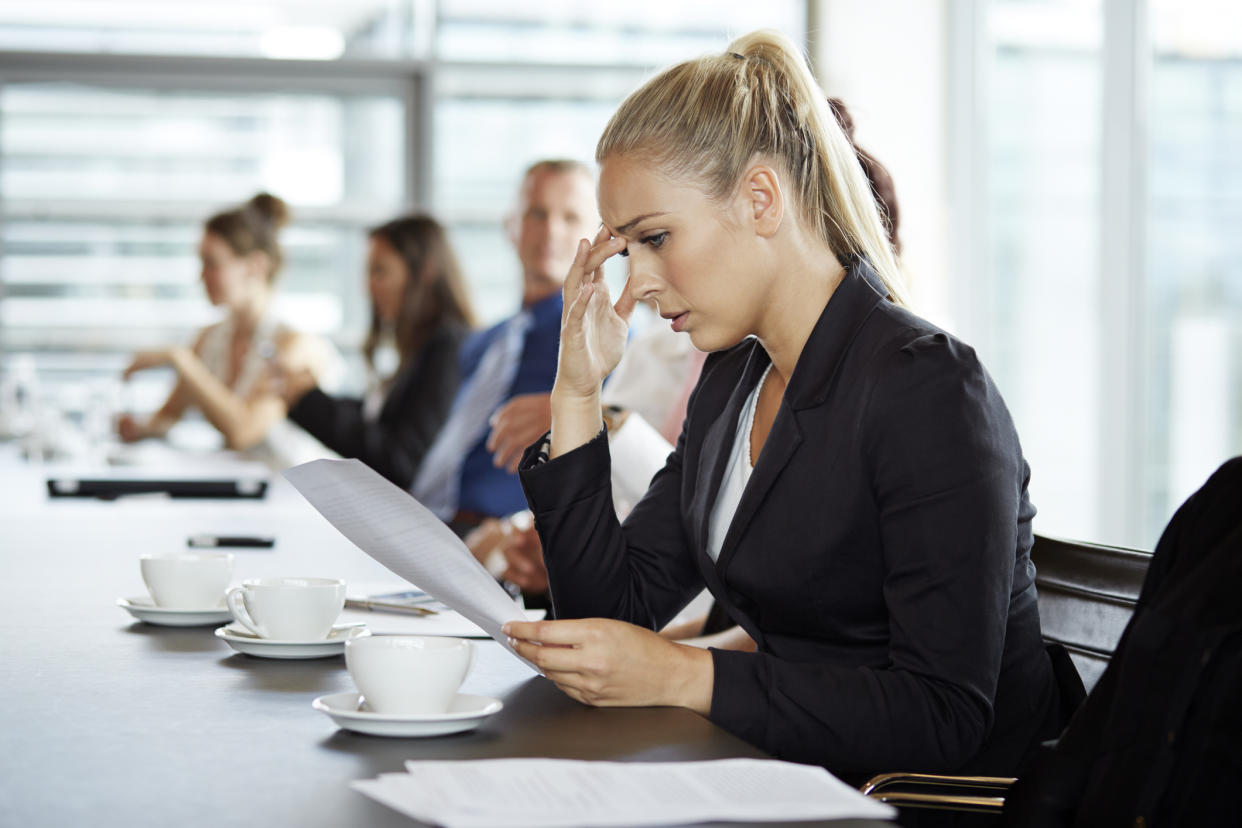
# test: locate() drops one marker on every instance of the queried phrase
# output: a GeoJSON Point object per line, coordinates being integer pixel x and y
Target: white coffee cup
{"type": "Point", "coordinates": [408, 674]}
{"type": "Point", "coordinates": [188, 580]}
{"type": "Point", "coordinates": [288, 609]}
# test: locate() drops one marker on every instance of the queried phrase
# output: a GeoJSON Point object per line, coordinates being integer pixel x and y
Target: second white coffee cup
{"type": "Point", "coordinates": [288, 609]}
{"type": "Point", "coordinates": [408, 674]}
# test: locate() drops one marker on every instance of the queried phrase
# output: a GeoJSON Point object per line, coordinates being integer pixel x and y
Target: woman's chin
{"type": "Point", "coordinates": [706, 342]}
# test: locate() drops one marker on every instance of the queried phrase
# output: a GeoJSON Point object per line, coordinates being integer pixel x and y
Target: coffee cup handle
{"type": "Point", "coordinates": [235, 599]}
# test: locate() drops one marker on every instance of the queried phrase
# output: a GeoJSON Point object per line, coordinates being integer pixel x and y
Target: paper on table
{"type": "Point", "coordinates": [556, 793]}
{"type": "Point", "coordinates": [399, 532]}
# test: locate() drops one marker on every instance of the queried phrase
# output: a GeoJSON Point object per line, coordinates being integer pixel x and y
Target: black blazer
{"type": "Point", "coordinates": [878, 556]}
{"type": "Point", "coordinates": [414, 410]}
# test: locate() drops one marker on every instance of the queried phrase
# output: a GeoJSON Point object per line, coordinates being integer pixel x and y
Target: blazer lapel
{"type": "Point", "coordinates": [857, 295]}
{"type": "Point", "coordinates": [717, 445]}
{"type": "Point", "coordinates": [860, 292]}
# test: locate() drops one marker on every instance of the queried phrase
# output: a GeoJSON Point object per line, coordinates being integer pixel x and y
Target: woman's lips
{"type": "Point", "coordinates": [679, 321]}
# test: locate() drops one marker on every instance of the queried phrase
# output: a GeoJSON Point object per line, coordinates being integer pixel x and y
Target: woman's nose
{"type": "Point", "coordinates": [644, 286]}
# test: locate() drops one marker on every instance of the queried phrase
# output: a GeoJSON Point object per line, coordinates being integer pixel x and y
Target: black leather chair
{"type": "Point", "coordinates": [1087, 593]}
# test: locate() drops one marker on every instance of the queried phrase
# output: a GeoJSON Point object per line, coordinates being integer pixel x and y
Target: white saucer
{"type": "Point", "coordinates": [144, 609]}
{"type": "Point", "coordinates": [246, 642]}
{"type": "Point", "coordinates": [465, 713]}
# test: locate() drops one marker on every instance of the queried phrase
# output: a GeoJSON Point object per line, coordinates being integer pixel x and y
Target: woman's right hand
{"type": "Point", "coordinates": [593, 330]}
{"type": "Point", "coordinates": [592, 339]}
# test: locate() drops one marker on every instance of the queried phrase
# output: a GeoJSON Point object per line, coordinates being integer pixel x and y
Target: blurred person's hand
{"type": "Point", "coordinates": [128, 429]}
{"type": "Point", "coordinates": [485, 542]}
{"type": "Point", "coordinates": [291, 381]}
{"type": "Point", "coordinates": [515, 425]}
{"type": "Point", "coordinates": [523, 553]}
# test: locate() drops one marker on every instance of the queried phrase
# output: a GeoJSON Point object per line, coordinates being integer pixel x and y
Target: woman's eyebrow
{"type": "Point", "coordinates": [629, 225]}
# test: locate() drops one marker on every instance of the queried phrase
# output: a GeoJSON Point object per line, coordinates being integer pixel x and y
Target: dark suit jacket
{"type": "Point", "coordinates": [414, 410]}
{"type": "Point", "coordinates": [1156, 742]}
{"type": "Point", "coordinates": [878, 555]}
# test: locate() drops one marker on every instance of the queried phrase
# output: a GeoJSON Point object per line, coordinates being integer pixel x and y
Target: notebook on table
{"type": "Point", "coordinates": [111, 488]}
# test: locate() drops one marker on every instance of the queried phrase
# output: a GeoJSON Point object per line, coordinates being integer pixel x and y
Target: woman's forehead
{"type": "Point", "coordinates": [631, 188]}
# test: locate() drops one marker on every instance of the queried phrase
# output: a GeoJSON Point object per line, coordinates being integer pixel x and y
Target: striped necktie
{"type": "Point", "coordinates": [438, 484]}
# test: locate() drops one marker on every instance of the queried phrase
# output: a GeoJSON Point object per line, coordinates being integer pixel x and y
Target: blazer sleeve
{"type": "Point", "coordinates": [640, 571]}
{"type": "Point", "coordinates": [411, 417]}
{"type": "Point", "coordinates": [947, 481]}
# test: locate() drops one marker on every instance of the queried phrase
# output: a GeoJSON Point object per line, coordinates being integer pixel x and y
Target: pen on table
{"type": "Point", "coordinates": [385, 606]}
{"type": "Point", "coordinates": [251, 541]}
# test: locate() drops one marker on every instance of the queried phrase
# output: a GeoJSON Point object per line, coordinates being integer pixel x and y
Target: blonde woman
{"type": "Point", "coordinates": [847, 482]}
{"type": "Point", "coordinates": [228, 372]}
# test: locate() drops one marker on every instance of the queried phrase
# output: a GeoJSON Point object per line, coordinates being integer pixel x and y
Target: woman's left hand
{"type": "Point", "coordinates": [610, 663]}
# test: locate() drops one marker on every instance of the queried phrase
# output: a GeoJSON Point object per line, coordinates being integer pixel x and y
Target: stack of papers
{"type": "Point", "coordinates": [558, 793]}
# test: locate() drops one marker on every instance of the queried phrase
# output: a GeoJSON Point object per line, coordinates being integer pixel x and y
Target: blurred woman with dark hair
{"type": "Point", "coordinates": [420, 314]}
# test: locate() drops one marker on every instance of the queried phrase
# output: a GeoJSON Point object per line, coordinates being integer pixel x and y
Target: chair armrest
{"type": "Point", "coordinates": [927, 790]}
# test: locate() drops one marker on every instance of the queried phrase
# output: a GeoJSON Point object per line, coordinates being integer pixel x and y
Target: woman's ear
{"type": "Point", "coordinates": [259, 264]}
{"type": "Point", "coordinates": [761, 189]}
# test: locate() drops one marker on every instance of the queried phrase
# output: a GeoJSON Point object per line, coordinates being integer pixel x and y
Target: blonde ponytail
{"type": "Point", "coordinates": [706, 120]}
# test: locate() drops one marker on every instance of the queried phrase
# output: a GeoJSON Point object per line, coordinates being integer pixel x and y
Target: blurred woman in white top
{"type": "Point", "coordinates": [228, 371]}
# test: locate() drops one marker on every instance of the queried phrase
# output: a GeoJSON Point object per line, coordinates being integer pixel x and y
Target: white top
{"type": "Point", "coordinates": [737, 474]}
{"type": "Point", "coordinates": [386, 359]}
{"type": "Point", "coordinates": [638, 452]}
{"type": "Point", "coordinates": [285, 444]}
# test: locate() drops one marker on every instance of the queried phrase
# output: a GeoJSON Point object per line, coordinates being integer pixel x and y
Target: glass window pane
{"type": "Point", "coordinates": [106, 191]}
{"type": "Point", "coordinates": [640, 32]}
{"type": "Point", "coordinates": [1194, 290]}
{"type": "Point", "coordinates": [1042, 169]}
{"type": "Point", "coordinates": [476, 185]}
{"type": "Point", "coordinates": [306, 29]}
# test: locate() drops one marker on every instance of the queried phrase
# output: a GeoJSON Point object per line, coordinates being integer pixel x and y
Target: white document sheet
{"type": "Point", "coordinates": [395, 529]}
{"type": "Point", "coordinates": [443, 623]}
{"type": "Point", "coordinates": [559, 793]}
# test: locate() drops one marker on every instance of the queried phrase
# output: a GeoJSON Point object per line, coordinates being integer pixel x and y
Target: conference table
{"type": "Point", "coordinates": [109, 721]}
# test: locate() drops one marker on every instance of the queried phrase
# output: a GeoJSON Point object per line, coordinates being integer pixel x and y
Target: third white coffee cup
{"type": "Point", "coordinates": [408, 674]}
{"type": "Point", "coordinates": [288, 609]}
